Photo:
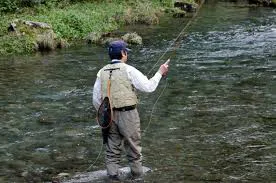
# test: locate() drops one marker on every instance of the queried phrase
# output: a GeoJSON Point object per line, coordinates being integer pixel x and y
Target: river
{"type": "Point", "coordinates": [214, 122]}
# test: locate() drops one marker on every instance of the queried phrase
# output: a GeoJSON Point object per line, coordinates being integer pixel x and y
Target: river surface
{"type": "Point", "coordinates": [214, 122]}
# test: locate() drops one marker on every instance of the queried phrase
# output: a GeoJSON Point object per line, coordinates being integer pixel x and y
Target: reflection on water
{"type": "Point", "coordinates": [214, 123]}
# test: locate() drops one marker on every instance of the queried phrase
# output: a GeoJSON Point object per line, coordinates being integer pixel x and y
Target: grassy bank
{"type": "Point", "coordinates": [73, 22]}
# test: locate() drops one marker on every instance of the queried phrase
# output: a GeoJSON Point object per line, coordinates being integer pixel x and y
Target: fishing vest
{"type": "Point", "coordinates": [122, 92]}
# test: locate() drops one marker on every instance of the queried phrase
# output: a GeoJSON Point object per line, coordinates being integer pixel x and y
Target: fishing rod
{"type": "Point", "coordinates": [174, 45]}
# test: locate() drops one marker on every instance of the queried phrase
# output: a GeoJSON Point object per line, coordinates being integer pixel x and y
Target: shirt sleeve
{"type": "Point", "coordinates": [97, 93]}
{"type": "Point", "coordinates": [141, 82]}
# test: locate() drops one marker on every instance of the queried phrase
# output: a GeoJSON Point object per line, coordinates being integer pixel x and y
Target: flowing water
{"type": "Point", "coordinates": [215, 121]}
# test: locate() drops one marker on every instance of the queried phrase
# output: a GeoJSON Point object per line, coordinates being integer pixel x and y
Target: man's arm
{"type": "Point", "coordinates": [141, 82]}
{"type": "Point", "coordinates": [97, 93]}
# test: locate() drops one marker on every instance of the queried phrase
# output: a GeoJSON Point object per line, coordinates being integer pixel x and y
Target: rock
{"type": "Point", "coordinates": [12, 27]}
{"type": "Point", "coordinates": [63, 175]}
{"type": "Point", "coordinates": [106, 41]}
{"type": "Point", "coordinates": [132, 38]}
{"type": "Point", "coordinates": [188, 7]}
{"type": "Point", "coordinates": [46, 41]}
{"type": "Point", "coordinates": [37, 24]}
{"type": "Point", "coordinates": [262, 2]}
{"type": "Point", "coordinates": [101, 175]}
{"type": "Point", "coordinates": [93, 38]}
{"type": "Point", "coordinates": [24, 174]}
{"type": "Point", "coordinates": [42, 35]}
{"type": "Point", "coordinates": [46, 119]}
{"type": "Point", "coordinates": [106, 38]}
{"type": "Point", "coordinates": [61, 43]}
{"type": "Point", "coordinates": [176, 12]}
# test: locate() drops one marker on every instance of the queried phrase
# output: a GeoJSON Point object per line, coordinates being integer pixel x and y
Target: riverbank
{"type": "Point", "coordinates": [72, 23]}
{"type": "Point", "coordinates": [80, 22]}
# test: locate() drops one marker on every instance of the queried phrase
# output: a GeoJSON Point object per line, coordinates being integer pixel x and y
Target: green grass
{"type": "Point", "coordinates": [73, 22]}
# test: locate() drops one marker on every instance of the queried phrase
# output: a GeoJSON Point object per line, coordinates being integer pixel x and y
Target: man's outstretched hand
{"type": "Point", "coordinates": [164, 68]}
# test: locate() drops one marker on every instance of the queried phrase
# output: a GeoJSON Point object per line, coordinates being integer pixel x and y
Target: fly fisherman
{"type": "Point", "coordinates": [124, 131]}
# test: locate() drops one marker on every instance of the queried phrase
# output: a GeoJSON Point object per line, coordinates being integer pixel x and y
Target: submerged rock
{"type": "Point", "coordinates": [63, 175]}
{"type": "Point", "coordinates": [124, 173]}
{"type": "Point", "coordinates": [46, 119]}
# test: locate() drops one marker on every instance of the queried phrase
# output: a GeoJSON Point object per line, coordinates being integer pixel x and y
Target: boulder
{"type": "Point", "coordinates": [176, 12]}
{"type": "Point", "coordinates": [93, 38]}
{"type": "Point", "coordinates": [42, 35]}
{"type": "Point", "coordinates": [263, 2]}
{"type": "Point", "coordinates": [101, 176]}
{"type": "Point", "coordinates": [46, 41]}
{"type": "Point", "coordinates": [106, 38]}
{"type": "Point", "coordinates": [185, 6]}
{"type": "Point", "coordinates": [37, 24]}
{"type": "Point", "coordinates": [12, 27]}
{"type": "Point", "coordinates": [132, 38]}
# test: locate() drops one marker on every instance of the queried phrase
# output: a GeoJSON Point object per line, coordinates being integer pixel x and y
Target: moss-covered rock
{"type": "Point", "coordinates": [186, 5]}
{"type": "Point", "coordinates": [182, 8]}
{"type": "Point", "coordinates": [132, 38]}
{"type": "Point", "coordinates": [271, 3]}
{"type": "Point", "coordinates": [40, 35]}
{"type": "Point", "coordinates": [93, 37]}
{"type": "Point", "coordinates": [176, 12]}
{"type": "Point", "coordinates": [106, 38]}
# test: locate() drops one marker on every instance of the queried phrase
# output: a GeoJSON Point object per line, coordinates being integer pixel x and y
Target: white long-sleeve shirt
{"type": "Point", "coordinates": [139, 81]}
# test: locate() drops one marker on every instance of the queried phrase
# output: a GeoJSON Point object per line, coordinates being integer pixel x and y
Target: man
{"type": "Point", "coordinates": [124, 131]}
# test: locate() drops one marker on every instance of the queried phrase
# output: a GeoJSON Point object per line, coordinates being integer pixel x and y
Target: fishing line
{"type": "Point", "coordinates": [175, 45]}
{"type": "Point", "coordinates": [96, 158]}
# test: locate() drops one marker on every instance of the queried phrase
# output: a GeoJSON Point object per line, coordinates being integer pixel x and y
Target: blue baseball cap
{"type": "Point", "coordinates": [116, 47]}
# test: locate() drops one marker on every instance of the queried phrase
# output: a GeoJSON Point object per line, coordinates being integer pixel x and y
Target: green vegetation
{"type": "Point", "coordinates": [72, 20]}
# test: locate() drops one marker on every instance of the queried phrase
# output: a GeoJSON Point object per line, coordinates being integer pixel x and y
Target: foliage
{"type": "Point", "coordinates": [8, 5]}
{"type": "Point", "coordinates": [74, 19]}
{"type": "Point", "coordinates": [16, 44]}
{"type": "Point", "coordinates": [143, 13]}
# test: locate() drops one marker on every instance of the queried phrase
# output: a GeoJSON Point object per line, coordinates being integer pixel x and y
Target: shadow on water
{"type": "Point", "coordinates": [214, 123]}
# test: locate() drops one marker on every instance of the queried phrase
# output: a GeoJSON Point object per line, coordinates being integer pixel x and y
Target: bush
{"type": "Point", "coordinates": [13, 5]}
{"type": "Point", "coordinates": [8, 5]}
{"type": "Point", "coordinates": [72, 22]}
{"type": "Point", "coordinates": [16, 45]}
{"type": "Point", "coordinates": [141, 13]}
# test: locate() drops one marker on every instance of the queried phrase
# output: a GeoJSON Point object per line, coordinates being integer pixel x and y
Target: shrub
{"type": "Point", "coordinates": [8, 5]}
{"type": "Point", "coordinates": [141, 13]}
{"type": "Point", "coordinates": [16, 45]}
